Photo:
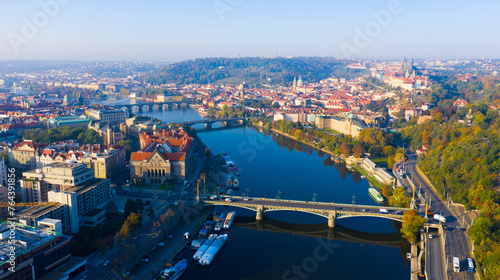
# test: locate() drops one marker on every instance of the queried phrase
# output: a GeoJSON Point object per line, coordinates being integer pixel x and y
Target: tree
{"type": "Point", "coordinates": [125, 230]}
{"type": "Point", "coordinates": [127, 144]}
{"type": "Point", "coordinates": [412, 223]}
{"type": "Point", "coordinates": [399, 198]}
{"type": "Point", "coordinates": [344, 149]}
{"type": "Point", "coordinates": [276, 105]}
{"type": "Point", "coordinates": [266, 126]}
{"type": "Point", "coordinates": [481, 229]}
{"type": "Point", "coordinates": [297, 134]}
{"type": "Point", "coordinates": [151, 211]}
{"type": "Point", "coordinates": [389, 151]}
{"type": "Point", "coordinates": [357, 151]}
{"type": "Point", "coordinates": [130, 207]}
{"type": "Point", "coordinates": [207, 152]}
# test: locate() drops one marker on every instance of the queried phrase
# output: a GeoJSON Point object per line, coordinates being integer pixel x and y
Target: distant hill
{"type": "Point", "coordinates": [252, 71]}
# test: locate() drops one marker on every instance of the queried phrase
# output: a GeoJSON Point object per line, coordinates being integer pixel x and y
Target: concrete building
{"type": "Point", "coordinates": [38, 251]}
{"type": "Point", "coordinates": [35, 184]}
{"type": "Point", "coordinates": [380, 174]}
{"type": "Point", "coordinates": [81, 204]}
{"type": "Point", "coordinates": [164, 156]}
{"type": "Point", "coordinates": [3, 173]}
{"type": "Point", "coordinates": [108, 164]}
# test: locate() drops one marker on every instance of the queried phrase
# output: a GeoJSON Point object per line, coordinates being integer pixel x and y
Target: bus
{"type": "Point", "coordinates": [471, 265]}
{"type": "Point", "coordinates": [456, 264]}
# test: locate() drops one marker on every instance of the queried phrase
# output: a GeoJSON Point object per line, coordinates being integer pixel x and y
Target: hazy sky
{"type": "Point", "coordinates": [177, 30]}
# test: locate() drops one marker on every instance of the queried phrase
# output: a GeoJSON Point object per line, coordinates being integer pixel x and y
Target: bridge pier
{"type": "Point", "coordinates": [260, 213]}
{"type": "Point", "coordinates": [208, 125]}
{"type": "Point", "coordinates": [331, 219]}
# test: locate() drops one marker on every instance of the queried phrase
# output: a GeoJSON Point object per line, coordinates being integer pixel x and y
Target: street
{"type": "Point", "coordinates": [456, 241]}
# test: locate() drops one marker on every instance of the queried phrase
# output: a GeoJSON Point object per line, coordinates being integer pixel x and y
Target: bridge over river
{"type": "Point", "coordinates": [329, 210]}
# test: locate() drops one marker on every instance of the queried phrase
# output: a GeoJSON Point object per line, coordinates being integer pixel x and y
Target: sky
{"type": "Point", "coordinates": [166, 30]}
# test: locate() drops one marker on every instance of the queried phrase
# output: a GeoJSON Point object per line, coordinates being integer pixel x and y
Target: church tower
{"type": "Point", "coordinates": [294, 84]}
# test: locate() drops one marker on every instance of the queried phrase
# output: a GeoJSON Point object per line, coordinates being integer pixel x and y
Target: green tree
{"type": "Point", "coordinates": [130, 207]}
{"type": "Point", "coordinates": [412, 223]}
{"type": "Point", "coordinates": [127, 144]}
{"type": "Point", "coordinates": [399, 198]}
{"type": "Point", "coordinates": [481, 229]}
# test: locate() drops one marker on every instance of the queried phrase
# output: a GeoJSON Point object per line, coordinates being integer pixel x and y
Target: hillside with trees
{"type": "Point", "coordinates": [252, 70]}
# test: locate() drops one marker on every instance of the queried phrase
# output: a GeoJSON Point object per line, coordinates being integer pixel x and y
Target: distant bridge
{"type": "Point", "coordinates": [331, 211]}
{"type": "Point", "coordinates": [209, 122]}
{"type": "Point", "coordinates": [322, 231]}
{"type": "Point", "coordinates": [152, 106]}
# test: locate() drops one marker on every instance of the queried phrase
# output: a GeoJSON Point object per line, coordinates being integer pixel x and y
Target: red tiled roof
{"type": "Point", "coordinates": [140, 156]}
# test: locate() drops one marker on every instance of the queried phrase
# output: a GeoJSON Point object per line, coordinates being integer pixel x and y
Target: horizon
{"type": "Point", "coordinates": [171, 31]}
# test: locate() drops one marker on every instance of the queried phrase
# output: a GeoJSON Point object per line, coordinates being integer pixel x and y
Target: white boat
{"type": "Point", "coordinates": [214, 249]}
{"type": "Point", "coordinates": [229, 220]}
{"type": "Point", "coordinates": [376, 195]}
{"type": "Point", "coordinates": [204, 247]}
{"type": "Point", "coordinates": [174, 272]}
{"type": "Point", "coordinates": [196, 244]}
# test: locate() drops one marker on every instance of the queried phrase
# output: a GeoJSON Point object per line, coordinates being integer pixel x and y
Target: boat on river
{"type": "Point", "coordinates": [214, 249]}
{"type": "Point", "coordinates": [174, 272]}
{"type": "Point", "coordinates": [229, 220]}
{"type": "Point", "coordinates": [204, 247]}
{"type": "Point", "coordinates": [375, 194]}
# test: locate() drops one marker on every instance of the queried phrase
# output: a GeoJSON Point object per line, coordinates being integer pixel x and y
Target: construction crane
{"type": "Point", "coordinates": [28, 204]}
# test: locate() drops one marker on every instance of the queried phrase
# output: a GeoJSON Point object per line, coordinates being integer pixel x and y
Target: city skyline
{"type": "Point", "coordinates": [169, 31]}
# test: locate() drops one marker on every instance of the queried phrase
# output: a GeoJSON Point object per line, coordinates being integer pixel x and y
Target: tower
{"type": "Point", "coordinates": [294, 84]}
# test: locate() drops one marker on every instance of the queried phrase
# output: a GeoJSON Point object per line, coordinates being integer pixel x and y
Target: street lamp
{"type": "Point", "coordinates": [248, 192]}
{"type": "Point", "coordinates": [278, 196]}
{"type": "Point", "coordinates": [353, 201]}
{"type": "Point", "coordinates": [314, 199]}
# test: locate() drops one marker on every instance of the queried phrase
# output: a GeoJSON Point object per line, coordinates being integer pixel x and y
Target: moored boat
{"type": "Point", "coordinates": [214, 249]}
{"type": "Point", "coordinates": [175, 271]}
{"type": "Point", "coordinates": [229, 220]}
{"type": "Point", "coordinates": [204, 247]}
{"type": "Point", "coordinates": [375, 194]}
{"type": "Point", "coordinates": [220, 222]}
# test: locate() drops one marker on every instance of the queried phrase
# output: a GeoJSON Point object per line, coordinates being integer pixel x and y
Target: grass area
{"type": "Point", "coordinates": [371, 178]}
{"type": "Point", "coordinates": [382, 162]}
{"type": "Point", "coordinates": [332, 131]}
{"type": "Point", "coordinates": [167, 187]}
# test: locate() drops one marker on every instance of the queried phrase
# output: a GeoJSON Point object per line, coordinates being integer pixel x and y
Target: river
{"type": "Point", "coordinates": [293, 245]}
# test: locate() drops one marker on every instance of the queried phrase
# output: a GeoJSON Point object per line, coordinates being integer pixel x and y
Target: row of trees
{"type": "Point", "coordinates": [84, 136]}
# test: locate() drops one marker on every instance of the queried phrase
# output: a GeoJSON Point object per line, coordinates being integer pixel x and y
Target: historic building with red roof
{"type": "Point", "coordinates": [164, 155]}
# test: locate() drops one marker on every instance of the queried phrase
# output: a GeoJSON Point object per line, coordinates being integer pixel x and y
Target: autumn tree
{"type": "Point", "coordinates": [357, 151]}
{"type": "Point", "coordinates": [412, 223]}
{"type": "Point", "coordinates": [344, 149]}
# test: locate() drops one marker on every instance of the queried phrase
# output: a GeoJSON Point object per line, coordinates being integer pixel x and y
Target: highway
{"type": "Point", "coordinates": [456, 243]}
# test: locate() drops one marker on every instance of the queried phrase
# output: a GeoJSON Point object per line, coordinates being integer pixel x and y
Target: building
{"type": "Point", "coordinates": [345, 126]}
{"type": "Point", "coordinates": [111, 134]}
{"type": "Point", "coordinates": [107, 164]}
{"type": "Point", "coordinates": [36, 184]}
{"type": "Point", "coordinates": [164, 156]}
{"type": "Point", "coordinates": [380, 174]}
{"type": "Point", "coordinates": [23, 155]}
{"type": "Point", "coordinates": [38, 251]}
{"type": "Point", "coordinates": [32, 216]}
{"type": "Point", "coordinates": [3, 173]}
{"type": "Point", "coordinates": [4, 197]}
{"type": "Point", "coordinates": [71, 121]}
{"type": "Point", "coordinates": [84, 205]}
{"type": "Point", "coordinates": [108, 116]}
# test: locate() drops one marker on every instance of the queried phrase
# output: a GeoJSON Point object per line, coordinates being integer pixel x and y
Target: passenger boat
{"type": "Point", "coordinates": [375, 194]}
{"type": "Point", "coordinates": [214, 249]}
{"type": "Point", "coordinates": [229, 220]}
{"type": "Point", "coordinates": [175, 271]}
{"type": "Point", "coordinates": [204, 247]}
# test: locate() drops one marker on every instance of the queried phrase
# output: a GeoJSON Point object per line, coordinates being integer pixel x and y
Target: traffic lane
{"type": "Point", "coordinates": [435, 257]}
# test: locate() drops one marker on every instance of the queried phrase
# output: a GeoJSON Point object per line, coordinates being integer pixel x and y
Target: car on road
{"type": "Point", "coordinates": [145, 260]}
{"type": "Point", "coordinates": [169, 236]}
{"type": "Point", "coordinates": [106, 263]}
{"type": "Point", "coordinates": [247, 199]}
{"type": "Point", "coordinates": [228, 200]}
{"type": "Point", "coordinates": [213, 197]}
{"type": "Point", "coordinates": [160, 244]}
{"type": "Point", "coordinates": [399, 212]}
{"type": "Point", "coordinates": [430, 236]}
{"type": "Point", "coordinates": [364, 210]}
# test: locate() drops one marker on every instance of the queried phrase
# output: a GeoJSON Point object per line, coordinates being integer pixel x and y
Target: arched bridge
{"type": "Point", "coordinates": [331, 211]}
{"type": "Point", "coordinates": [148, 106]}
{"type": "Point", "coordinates": [209, 122]}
